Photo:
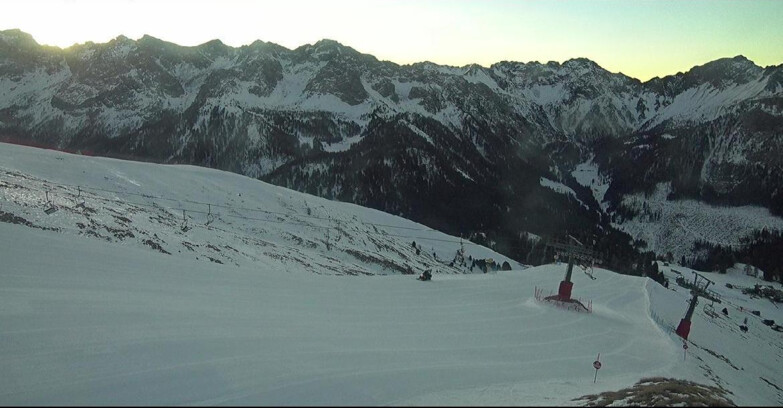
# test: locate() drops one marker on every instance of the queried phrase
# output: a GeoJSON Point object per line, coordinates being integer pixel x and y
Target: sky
{"type": "Point", "coordinates": [640, 38]}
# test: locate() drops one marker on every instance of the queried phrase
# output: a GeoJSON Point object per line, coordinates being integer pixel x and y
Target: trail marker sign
{"type": "Point", "coordinates": [597, 366]}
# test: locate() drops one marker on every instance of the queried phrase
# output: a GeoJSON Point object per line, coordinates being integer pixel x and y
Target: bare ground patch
{"type": "Point", "coordinates": [385, 263]}
{"type": "Point", "coordinates": [14, 219]}
{"type": "Point", "coordinates": [156, 246]}
{"type": "Point", "coordinates": [659, 391]}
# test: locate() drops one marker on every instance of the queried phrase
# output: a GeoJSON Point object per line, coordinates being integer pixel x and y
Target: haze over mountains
{"type": "Point", "coordinates": [502, 155]}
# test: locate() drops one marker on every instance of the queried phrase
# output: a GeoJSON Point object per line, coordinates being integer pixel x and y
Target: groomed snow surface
{"type": "Point", "coordinates": [85, 320]}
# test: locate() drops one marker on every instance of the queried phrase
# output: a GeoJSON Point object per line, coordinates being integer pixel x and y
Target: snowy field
{"type": "Point", "coordinates": [675, 226]}
{"type": "Point", "coordinates": [229, 219]}
{"type": "Point", "coordinates": [588, 175]}
{"type": "Point", "coordinates": [87, 322]}
{"type": "Point", "coordinates": [96, 321]}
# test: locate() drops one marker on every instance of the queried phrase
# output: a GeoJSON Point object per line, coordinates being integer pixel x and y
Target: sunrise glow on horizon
{"type": "Point", "coordinates": [640, 38]}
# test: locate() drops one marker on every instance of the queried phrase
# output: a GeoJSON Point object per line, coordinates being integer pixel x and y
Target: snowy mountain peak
{"type": "Point", "coordinates": [720, 74]}
{"type": "Point", "coordinates": [121, 40]}
{"type": "Point", "coordinates": [472, 69]}
{"type": "Point", "coordinates": [328, 43]}
{"type": "Point", "coordinates": [325, 49]}
{"type": "Point", "coordinates": [17, 37]}
{"type": "Point", "coordinates": [215, 48]}
{"type": "Point", "coordinates": [329, 120]}
{"type": "Point", "coordinates": [264, 46]}
{"type": "Point", "coordinates": [147, 37]}
{"type": "Point", "coordinates": [581, 63]}
{"type": "Point", "coordinates": [726, 71]}
{"type": "Point", "coordinates": [148, 40]}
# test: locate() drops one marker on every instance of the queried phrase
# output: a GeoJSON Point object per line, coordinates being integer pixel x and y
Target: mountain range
{"type": "Point", "coordinates": [508, 156]}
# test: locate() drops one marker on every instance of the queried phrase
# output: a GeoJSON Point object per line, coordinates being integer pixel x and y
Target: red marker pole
{"type": "Point", "coordinates": [597, 366]}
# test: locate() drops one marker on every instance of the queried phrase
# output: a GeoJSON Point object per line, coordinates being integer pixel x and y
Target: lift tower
{"type": "Point", "coordinates": [698, 288]}
{"type": "Point", "coordinates": [575, 251]}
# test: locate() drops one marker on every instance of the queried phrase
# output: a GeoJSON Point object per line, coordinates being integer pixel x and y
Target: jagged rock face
{"type": "Point", "coordinates": [582, 100]}
{"type": "Point", "coordinates": [716, 137]}
{"type": "Point", "coordinates": [460, 146]}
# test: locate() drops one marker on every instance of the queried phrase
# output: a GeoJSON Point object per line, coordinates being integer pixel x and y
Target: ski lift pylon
{"type": "Point", "coordinates": [697, 289]}
{"type": "Point", "coordinates": [78, 196]}
{"type": "Point", "coordinates": [185, 226]}
{"type": "Point", "coordinates": [210, 217]}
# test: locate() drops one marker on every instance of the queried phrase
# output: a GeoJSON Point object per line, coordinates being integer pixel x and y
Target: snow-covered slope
{"type": "Point", "coordinates": [746, 363]}
{"type": "Point", "coordinates": [87, 320]}
{"type": "Point", "coordinates": [147, 205]}
{"type": "Point", "coordinates": [677, 225]}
